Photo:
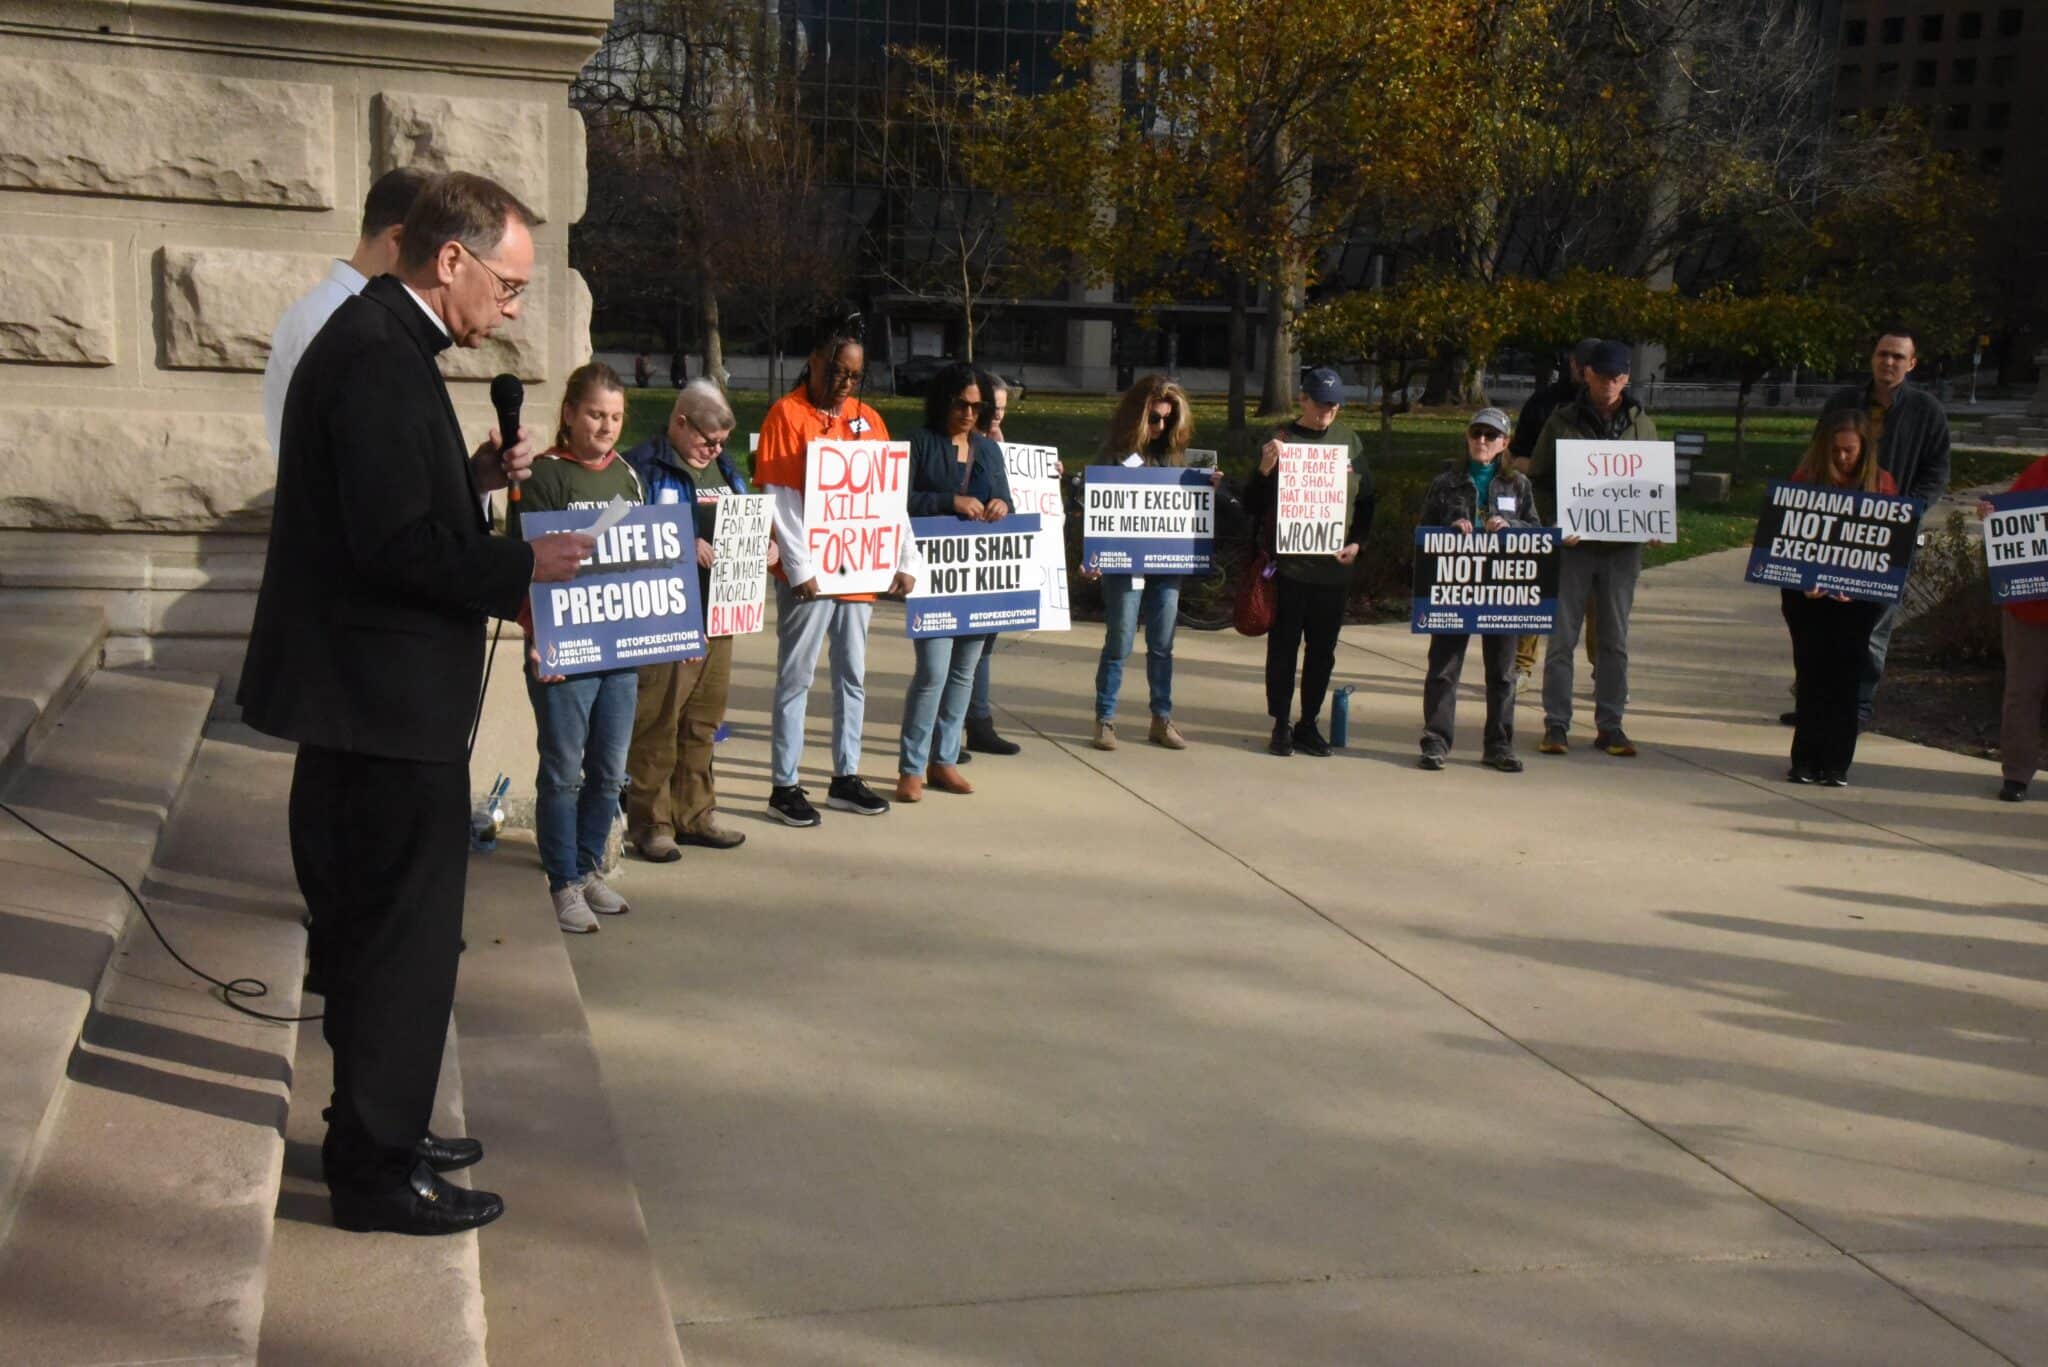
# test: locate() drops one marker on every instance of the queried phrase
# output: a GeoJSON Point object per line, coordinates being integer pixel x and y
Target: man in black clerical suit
{"type": "Point", "coordinates": [368, 650]}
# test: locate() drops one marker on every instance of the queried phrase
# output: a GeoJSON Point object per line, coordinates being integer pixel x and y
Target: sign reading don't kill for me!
{"type": "Point", "coordinates": [856, 498]}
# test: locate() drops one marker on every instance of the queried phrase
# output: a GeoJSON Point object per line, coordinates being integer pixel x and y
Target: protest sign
{"type": "Point", "coordinates": [2016, 546]}
{"type": "Point", "coordinates": [1148, 520]}
{"type": "Point", "coordinates": [634, 601]}
{"type": "Point", "coordinates": [1842, 541]}
{"type": "Point", "coordinates": [1035, 488]}
{"type": "Point", "coordinates": [979, 577]}
{"type": "Point", "coordinates": [1314, 487]}
{"type": "Point", "coordinates": [1617, 490]}
{"type": "Point", "coordinates": [1500, 583]}
{"type": "Point", "coordinates": [739, 566]}
{"type": "Point", "coordinates": [856, 498]}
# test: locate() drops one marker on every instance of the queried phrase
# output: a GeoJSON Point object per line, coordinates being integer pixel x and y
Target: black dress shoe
{"type": "Point", "coordinates": [448, 1155]}
{"type": "Point", "coordinates": [424, 1204]}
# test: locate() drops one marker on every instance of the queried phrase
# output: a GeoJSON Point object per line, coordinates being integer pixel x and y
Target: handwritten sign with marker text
{"type": "Point", "coordinates": [1617, 490]}
{"type": "Point", "coordinates": [856, 500]}
{"type": "Point", "coordinates": [739, 566]}
{"type": "Point", "coordinates": [1035, 489]}
{"type": "Point", "coordinates": [1309, 516]}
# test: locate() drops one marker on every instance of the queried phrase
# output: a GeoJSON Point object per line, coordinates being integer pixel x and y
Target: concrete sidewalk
{"type": "Point", "coordinates": [1213, 1057]}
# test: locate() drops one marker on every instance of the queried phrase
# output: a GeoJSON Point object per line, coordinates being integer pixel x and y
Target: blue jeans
{"type": "Point", "coordinates": [978, 706]}
{"type": "Point", "coordinates": [1872, 672]}
{"type": "Point", "coordinates": [801, 630]}
{"type": "Point", "coordinates": [937, 700]}
{"type": "Point", "coordinates": [584, 727]}
{"type": "Point", "coordinates": [1158, 603]}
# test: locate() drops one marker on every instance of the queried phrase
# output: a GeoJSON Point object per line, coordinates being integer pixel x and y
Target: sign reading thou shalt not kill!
{"type": "Point", "coordinates": [856, 500]}
{"type": "Point", "coordinates": [979, 577]}
{"type": "Point", "coordinates": [1309, 515]}
{"type": "Point", "coordinates": [1839, 541]}
{"type": "Point", "coordinates": [633, 602]}
{"type": "Point", "coordinates": [1500, 583]}
{"type": "Point", "coordinates": [1617, 490]}
{"type": "Point", "coordinates": [1035, 488]}
{"type": "Point", "coordinates": [2016, 547]}
{"type": "Point", "coordinates": [739, 566]}
{"type": "Point", "coordinates": [1148, 520]}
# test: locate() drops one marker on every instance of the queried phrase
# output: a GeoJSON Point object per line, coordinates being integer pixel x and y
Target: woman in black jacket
{"type": "Point", "coordinates": [954, 471]}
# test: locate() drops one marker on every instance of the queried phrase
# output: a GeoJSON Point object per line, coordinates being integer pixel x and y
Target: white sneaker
{"type": "Point", "coordinates": [601, 898]}
{"type": "Point", "coordinates": [572, 912]}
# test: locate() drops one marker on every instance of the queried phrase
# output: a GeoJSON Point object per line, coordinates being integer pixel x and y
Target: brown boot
{"type": "Point", "coordinates": [1165, 733]}
{"type": "Point", "coordinates": [948, 779]}
{"type": "Point", "coordinates": [909, 788]}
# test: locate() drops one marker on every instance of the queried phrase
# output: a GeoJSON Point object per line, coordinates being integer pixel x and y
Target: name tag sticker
{"type": "Point", "coordinates": [1507, 503]}
{"type": "Point", "coordinates": [857, 426]}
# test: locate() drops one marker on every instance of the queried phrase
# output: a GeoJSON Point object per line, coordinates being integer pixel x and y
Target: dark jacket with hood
{"type": "Point", "coordinates": [665, 478]}
{"type": "Point", "coordinates": [1579, 421]}
{"type": "Point", "coordinates": [1454, 494]}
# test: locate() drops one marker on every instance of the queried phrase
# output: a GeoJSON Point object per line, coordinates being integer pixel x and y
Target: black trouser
{"type": "Point", "coordinates": [1830, 653]}
{"type": "Point", "coordinates": [1314, 611]}
{"type": "Point", "coordinates": [1440, 691]}
{"type": "Point", "coordinates": [381, 849]}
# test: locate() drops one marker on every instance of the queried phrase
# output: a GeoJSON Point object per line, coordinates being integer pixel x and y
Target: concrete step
{"type": "Point", "coordinates": [149, 612]}
{"type": "Point", "coordinates": [103, 780]}
{"type": "Point", "coordinates": [220, 656]}
{"type": "Point", "coordinates": [428, 1292]}
{"type": "Point", "coordinates": [46, 654]}
{"type": "Point", "coordinates": [144, 1227]}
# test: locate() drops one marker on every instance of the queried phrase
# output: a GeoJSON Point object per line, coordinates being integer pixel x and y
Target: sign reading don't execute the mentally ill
{"type": "Point", "coordinates": [2016, 545]}
{"type": "Point", "coordinates": [1485, 583]}
{"type": "Point", "coordinates": [1840, 541]}
{"type": "Point", "coordinates": [634, 601]}
{"type": "Point", "coordinates": [979, 577]}
{"type": "Point", "coordinates": [1148, 520]}
{"type": "Point", "coordinates": [1617, 490]}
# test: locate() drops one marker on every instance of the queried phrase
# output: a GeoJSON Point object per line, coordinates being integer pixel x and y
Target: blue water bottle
{"type": "Point", "coordinates": [1340, 716]}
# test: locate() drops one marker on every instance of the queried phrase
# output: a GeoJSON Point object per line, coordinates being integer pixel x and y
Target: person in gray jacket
{"type": "Point", "coordinates": [1482, 492]}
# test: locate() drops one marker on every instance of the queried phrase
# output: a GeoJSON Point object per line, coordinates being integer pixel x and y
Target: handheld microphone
{"type": "Point", "coordinates": [507, 396]}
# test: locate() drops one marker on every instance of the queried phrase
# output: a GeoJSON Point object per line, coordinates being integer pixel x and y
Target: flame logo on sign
{"type": "Point", "coordinates": [551, 655]}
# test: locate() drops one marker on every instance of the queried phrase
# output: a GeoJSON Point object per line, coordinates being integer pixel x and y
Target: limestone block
{"type": "Point", "coordinates": [56, 300]}
{"type": "Point", "coordinates": [580, 306]}
{"type": "Point", "coordinates": [157, 134]}
{"type": "Point", "coordinates": [220, 304]}
{"type": "Point", "coordinates": [520, 346]}
{"type": "Point", "coordinates": [84, 468]}
{"type": "Point", "coordinates": [506, 140]}
{"type": "Point", "coordinates": [579, 167]}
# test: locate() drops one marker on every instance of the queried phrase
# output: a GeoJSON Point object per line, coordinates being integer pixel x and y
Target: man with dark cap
{"type": "Point", "coordinates": [1599, 576]}
{"type": "Point", "coordinates": [1547, 400]}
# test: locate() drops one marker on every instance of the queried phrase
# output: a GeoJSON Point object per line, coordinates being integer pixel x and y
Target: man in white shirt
{"type": "Point", "coordinates": [384, 211]}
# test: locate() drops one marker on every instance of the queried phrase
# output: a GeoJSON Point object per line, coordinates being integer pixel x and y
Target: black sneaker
{"type": "Point", "coordinates": [793, 807]}
{"type": "Point", "coordinates": [849, 794]}
{"type": "Point", "coordinates": [1799, 773]}
{"type": "Point", "coordinates": [1615, 743]}
{"type": "Point", "coordinates": [1310, 741]}
{"type": "Point", "coordinates": [1282, 743]}
{"type": "Point", "coordinates": [2012, 791]}
{"type": "Point", "coordinates": [1504, 760]}
{"type": "Point", "coordinates": [1834, 778]}
{"type": "Point", "coordinates": [1431, 760]}
{"type": "Point", "coordinates": [982, 737]}
{"type": "Point", "coordinates": [1553, 742]}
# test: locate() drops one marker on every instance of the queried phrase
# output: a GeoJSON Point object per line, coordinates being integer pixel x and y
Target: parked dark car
{"type": "Point", "coordinates": [910, 378]}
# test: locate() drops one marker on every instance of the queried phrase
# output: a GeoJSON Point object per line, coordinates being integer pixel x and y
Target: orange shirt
{"type": "Point", "coordinates": [792, 424]}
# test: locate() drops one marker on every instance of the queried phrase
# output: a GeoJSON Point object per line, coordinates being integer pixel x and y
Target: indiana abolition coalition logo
{"type": "Point", "coordinates": [552, 657]}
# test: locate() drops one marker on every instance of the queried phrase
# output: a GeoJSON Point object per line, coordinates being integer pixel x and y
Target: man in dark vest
{"type": "Point", "coordinates": [368, 650]}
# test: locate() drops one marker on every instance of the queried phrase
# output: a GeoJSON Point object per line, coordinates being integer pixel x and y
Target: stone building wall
{"type": "Point", "coordinates": [172, 174]}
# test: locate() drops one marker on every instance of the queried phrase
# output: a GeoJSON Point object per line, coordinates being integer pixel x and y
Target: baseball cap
{"type": "Point", "coordinates": [1322, 385]}
{"type": "Point", "coordinates": [1490, 417]}
{"type": "Point", "coordinates": [1611, 358]}
{"type": "Point", "coordinates": [1583, 352]}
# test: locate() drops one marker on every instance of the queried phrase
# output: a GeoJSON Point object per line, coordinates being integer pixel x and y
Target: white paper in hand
{"type": "Point", "coordinates": [609, 518]}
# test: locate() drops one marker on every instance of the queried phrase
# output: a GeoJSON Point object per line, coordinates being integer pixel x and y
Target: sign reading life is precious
{"type": "Point", "coordinates": [1309, 516]}
{"type": "Point", "coordinates": [1617, 490]}
{"type": "Point", "coordinates": [633, 602]}
{"type": "Point", "coordinates": [856, 500]}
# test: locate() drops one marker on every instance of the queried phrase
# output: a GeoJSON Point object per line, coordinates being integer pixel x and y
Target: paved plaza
{"type": "Point", "coordinates": [1214, 1057]}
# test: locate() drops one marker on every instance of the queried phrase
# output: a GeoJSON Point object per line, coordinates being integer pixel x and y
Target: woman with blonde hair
{"type": "Point", "coordinates": [1151, 426]}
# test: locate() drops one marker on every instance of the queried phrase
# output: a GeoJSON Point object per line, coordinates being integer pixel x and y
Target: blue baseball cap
{"type": "Point", "coordinates": [1611, 358]}
{"type": "Point", "coordinates": [1322, 385]}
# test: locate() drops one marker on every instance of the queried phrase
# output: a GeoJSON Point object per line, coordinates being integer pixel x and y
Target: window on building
{"type": "Point", "coordinates": [1887, 79]}
{"type": "Point", "coordinates": [1963, 71]}
{"type": "Point", "coordinates": [2002, 68]}
{"type": "Point", "coordinates": [1894, 30]}
{"type": "Point", "coordinates": [1970, 25]}
{"type": "Point", "coordinates": [1925, 73]}
{"type": "Point", "coordinates": [1958, 118]}
{"type": "Point", "coordinates": [2011, 21]}
{"type": "Point", "coordinates": [1998, 117]}
{"type": "Point", "coordinates": [1994, 158]}
{"type": "Point", "coordinates": [1849, 77]}
{"type": "Point", "coordinates": [1854, 32]}
{"type": "Point", "coordinates": [1930, 28]}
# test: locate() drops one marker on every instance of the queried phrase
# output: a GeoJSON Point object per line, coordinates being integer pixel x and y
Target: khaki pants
{"type": "Point", "coordinates": [668, 772]}
{"type": "Point", "coordinates": [2026, 686]}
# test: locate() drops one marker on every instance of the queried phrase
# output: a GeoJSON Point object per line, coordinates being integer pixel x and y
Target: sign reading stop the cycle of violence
{"type": "Point", "coordinates": [856, 503]}
{"type": "Point", "coordinates": [633, 602]}
{"type": "Point", "coordinates": [1841, 541]}
{"type": "Point", "coordinates": [979, 577]}
{"type": "Point", "coordinates": [2016, 546]}
{"type": "Point", "coordinates": [1485, 583]}
{"type": "Point", "coordinates": [1308, 518]}
{"type": "Point", "coordinates": [1035, 489]}
{"type": "Point", "coordinates": [739, 566]}
{"type": "Point", "coordinates": [1617, 490]}
{"type": "Point", "coordinates": [1147, 520]}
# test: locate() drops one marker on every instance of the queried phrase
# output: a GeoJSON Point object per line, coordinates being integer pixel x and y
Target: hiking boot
{"type": "Point", "coordinates": [1105, 735]}
{"type": "Point", "coordinates": [712, 838]}
{"type": "Point", "coordinates": [656, 847]}
{"type": "Point", "coordinates": [1310, 741]}
{"type": "Point", "coordinates": [1504, 760]}
{"type": "Point", "coordinates": [602, 897]}
{"type": "Point", "coordinates": [1616, 744]}
{"type": "Point", "coordinates": [849, 794]}
{"type": "Point", "coordinates": [1166, 735]}
{"type": "Point", "coordinates": [982, 737]}
{"type": "Point", "coordinates": [2012, 791]}
{"type": "Point", "coordinates": [910, 788]}
{"type": "Point", "coordinates": [948, 779]}
{"type": "Point", "coordinates": [793, 807]}
{"type": "Point", "coordinates": [1282, 743]}
{"type": "Point", "coordinates": [1554, 742]}
{"type": "Point", "coordinates": [572, 913]}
